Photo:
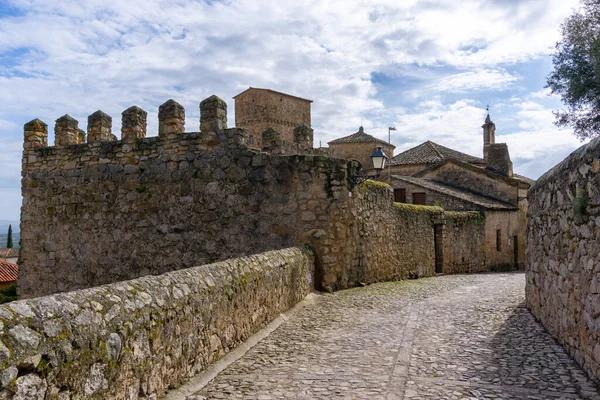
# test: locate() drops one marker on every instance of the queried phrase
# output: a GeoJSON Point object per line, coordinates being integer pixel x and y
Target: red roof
{"type": "Point", "coordinates": [9, 272]}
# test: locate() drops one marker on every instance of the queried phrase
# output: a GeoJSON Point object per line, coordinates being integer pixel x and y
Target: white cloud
{"type": "Point", "coordinates": [77, 56]}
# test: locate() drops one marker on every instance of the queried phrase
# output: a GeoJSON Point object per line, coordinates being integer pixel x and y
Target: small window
{"type": "Point", "coordinates": [419, 198]}
{"type": "Point", "coordinates": [251, 140]}
{"type": "Point", "coordinates": [400, 195]}
{"type": "Point", "coordinates": [498, 240]}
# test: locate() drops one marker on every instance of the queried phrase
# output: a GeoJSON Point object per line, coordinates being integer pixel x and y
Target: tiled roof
{"type": "Point", "coordinates": [9, 272]}
{"type": "Point", "coordinates": [431, 152]}
{"type": "Point", "coordinates": [477, 199]}
{"type": "Point", "coordinates": [8, 253]}
{"type": "Point", "coordinates": [359, 137]}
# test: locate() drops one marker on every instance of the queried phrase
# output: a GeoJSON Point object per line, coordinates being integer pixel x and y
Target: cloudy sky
{"type": "Point", "coordinates": [427, 67]}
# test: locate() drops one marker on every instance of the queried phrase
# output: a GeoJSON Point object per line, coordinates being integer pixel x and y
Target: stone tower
{"type": "Point", "coordinates": [260, 109]}
{"type": "Point", "coordinates": [489, 135]}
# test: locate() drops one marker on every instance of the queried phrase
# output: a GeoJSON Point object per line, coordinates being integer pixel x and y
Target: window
{"type": "Point", "coordinates": [400, 195]}
{"type": "Point", "coordinates": [419, 198]}
{"type": "Point", "coordinates": [498, 240]}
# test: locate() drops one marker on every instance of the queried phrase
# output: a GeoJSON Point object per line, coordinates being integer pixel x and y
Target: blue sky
{"type": "Point", "coordinates": [427, 67]}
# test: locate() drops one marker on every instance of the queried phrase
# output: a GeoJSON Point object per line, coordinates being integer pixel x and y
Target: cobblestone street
{"type": "Point", "coordinates": [449, 337]}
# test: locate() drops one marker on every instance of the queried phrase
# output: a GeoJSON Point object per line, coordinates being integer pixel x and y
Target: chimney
{"type": "Point", "coordinates": [498, 159]}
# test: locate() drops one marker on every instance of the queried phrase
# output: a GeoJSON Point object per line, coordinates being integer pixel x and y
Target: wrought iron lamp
{"type": "Point", "coordinates": [379, 159]}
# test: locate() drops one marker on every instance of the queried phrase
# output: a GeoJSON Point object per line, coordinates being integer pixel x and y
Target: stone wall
{"type": "Point", "coordinates": [111, 210]}
{"type": "Point", "coordinates": [464, 242]}
{"type": "Point", "coordinates": [370, 239]}
{"type": "Point", "coordinates": [138, 338]}
{"type": "Point", "coordinates": [108, 211]}
{"type": "Point", "coordinates": [563, 254]}
{"type": "Point", "coordinates": [501, 228]}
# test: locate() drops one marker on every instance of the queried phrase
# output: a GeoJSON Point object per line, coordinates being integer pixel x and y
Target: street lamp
{"type": "Point", "coordinates": [378, 158]}
{"type": "Point", "coordinates": [390, 129]}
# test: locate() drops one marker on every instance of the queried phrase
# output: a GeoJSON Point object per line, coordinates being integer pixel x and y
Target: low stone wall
{"type": "Point", "coordinates": [141, 337]}
{"type": "Point", "coordinates": [464, 242]}
{"type": "Point", "coordinates": [563, 254]}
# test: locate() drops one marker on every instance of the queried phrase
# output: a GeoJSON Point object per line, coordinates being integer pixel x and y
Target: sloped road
{"type": "Point", "coordinates": [449, 337]}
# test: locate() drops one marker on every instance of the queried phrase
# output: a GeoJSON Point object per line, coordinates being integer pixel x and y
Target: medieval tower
{"type": "Point", "coordinates": [260, 109]}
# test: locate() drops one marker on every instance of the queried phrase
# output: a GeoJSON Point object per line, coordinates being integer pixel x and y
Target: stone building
{"type": "Point", "coordinates": [260, 109]}
{"type": "Point", "coordinates": [359, 146]}
{"type": "Point", "coordinates": [9, 273]}
{"type": "Point", "coordinates": [432, 174]}
{"type": "Point", "coordinates": [9, 254]}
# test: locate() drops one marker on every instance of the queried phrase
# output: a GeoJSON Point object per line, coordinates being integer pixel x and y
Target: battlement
{"type": "Point", "coordinates": [76, 148]}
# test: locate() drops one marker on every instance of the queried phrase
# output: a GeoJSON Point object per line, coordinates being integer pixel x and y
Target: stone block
{"type": "Point", "coordinates": [134, 122]}
{"type": "Point", "coordinates": [99, 127]}
{"type": "Point", "coordinates": [66, 131]}
{"type": "Point", "coordinates": [213, 114]}
{"type": "Point", "coordinates": [171, 118]}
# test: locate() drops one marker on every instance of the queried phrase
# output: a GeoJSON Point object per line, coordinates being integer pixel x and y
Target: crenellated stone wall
{"type": "Point", "coordinates": [563, 254]}
{"type": "Point", "coordinates": [136, 339]}
{"type": "Point", "coordinates": [111, 210]}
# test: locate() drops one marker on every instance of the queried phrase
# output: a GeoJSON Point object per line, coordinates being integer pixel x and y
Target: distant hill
{"type": "Point", "coordinates": [4, 232]}
{"type": "Point", "coordinates": [16, 238]}
{"type": "Point", "coordinates": [4, 226]}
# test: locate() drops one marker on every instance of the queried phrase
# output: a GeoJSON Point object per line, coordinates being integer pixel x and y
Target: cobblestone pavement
{"type": "Point", "coordinates": [449, 337]}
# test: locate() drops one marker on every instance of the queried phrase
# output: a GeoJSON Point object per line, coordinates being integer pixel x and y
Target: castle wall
{"type": "Point", "coordinates": [257, 110]}
{"type": "Point", "coordinates": [138, 338]}
{"type": "Point", "coordinates": [105, 212]}
{"type": "Point", "coordinates": [563, 254]}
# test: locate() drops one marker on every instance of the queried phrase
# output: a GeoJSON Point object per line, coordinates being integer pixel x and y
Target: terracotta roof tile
{"type": "Point", "coordinates": [9, 272]}
{"type": "Point", "coordinates": [359, 137]}
{"type": "Point", "coordinates": [431, 152]}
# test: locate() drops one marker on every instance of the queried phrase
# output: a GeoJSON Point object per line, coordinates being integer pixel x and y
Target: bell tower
{"type": "Point", "coordinates": [489, 135]}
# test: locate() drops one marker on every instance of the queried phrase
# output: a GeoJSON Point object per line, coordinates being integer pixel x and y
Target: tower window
{"type": "Point", "coordinates": [498, 240]}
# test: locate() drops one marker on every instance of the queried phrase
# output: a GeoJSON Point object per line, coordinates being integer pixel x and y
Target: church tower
{"type": "Point", "coordinates": [489, 135]}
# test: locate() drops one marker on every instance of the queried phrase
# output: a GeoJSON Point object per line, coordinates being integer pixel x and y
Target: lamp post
{"type": "Point", "coordinates": [390, 129]}
{"type": "Point", "coordinates": [378, 158]}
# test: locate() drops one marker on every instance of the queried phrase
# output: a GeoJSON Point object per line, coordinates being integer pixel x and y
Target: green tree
{"type": "Point", "coordinates": [576, 75]}
{"type": "Point", "coordinates": [9, 242]}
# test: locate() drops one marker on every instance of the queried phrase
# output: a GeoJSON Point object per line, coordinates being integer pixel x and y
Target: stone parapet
{"type": "Point", "coordinates": [133, 124]}
{"type": "Point", "coordinates": [138, 338]}
{"type": "Point", "coordinates": [563, 254]}
{"type": "Point", "coordinates": [171, 118]}
{"type": "Point", "coordinates": [213, 114]}
{"type": "Point", "coordinates": [99, 127]}
{"type": "Point", "coordinates": [66, 131]}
